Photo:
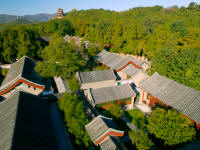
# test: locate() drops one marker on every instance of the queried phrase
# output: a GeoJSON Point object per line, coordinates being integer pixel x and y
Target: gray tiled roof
{"type": "Point", "coordinates": [112, 143]}
{"type": "Point", "coordinates": [96, 76]}
{"type": "Point", "coordinates": [180, 97]}
{"type": "Point", "coordinates": [22, 69]}
{"type": "Point", "coordinates": [115, 61]}
{"type": "Point", "coordinates": [131, 70]}
{"type": "Point", "coordinates": [25, 123]}
{"type": "Point", "coordinates": [106, 94]}
{"type": "Point", "coordinates": [99, 126]}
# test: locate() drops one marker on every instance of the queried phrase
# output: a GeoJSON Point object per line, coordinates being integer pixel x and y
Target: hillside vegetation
{"type": "Point", "coordinates": [169, 37]}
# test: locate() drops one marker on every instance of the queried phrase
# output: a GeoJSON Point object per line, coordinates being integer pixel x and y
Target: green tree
{"type": "Point", "coordinates": [75, 118]}
{"type": "Point", "coordinates": [73, 84]}
{"type": "Point", "coordinates": [170, 126]}
{"type": "Point", "coordinates": [61, 59]}
{"type": "Point", "coordinates": [140, 139]}
{"type": "Point", "coordinates": [9, 36]}
{"type": "Point", "coordinates": [182, 66]}
{"type": "Point", "coordinates": [115, 110]}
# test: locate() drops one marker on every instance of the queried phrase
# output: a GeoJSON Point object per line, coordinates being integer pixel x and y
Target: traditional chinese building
{"type": "Point", "coordinates": [60, 14]}
{"type": "Point", "coordinates": [22, 76]}
{"type": "Point", "coordinates": [126, 67]}
{"type": "Point", "coordinates": [118, 94]}
{"type": "Point", "coordinates": [158, 90]}
{"type": "Point", "coordinates": [96, 79]}
{"type": "Point", "coordinates": [104, 132]}
{"type": "Point", "coordinates": [26, 123]}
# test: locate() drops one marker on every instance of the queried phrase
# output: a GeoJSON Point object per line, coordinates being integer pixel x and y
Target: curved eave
{"type": "Point", "coordinates": [109, 132]}
{"type": "Point", "coordinates": [130, 62]}
{"type": "Point", "coordinates": [12, 85]}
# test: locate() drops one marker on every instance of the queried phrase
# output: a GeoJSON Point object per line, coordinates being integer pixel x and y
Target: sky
{"type": "Point", "coordinates": [31, 7]}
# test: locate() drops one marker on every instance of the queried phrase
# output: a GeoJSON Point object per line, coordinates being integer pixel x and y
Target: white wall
{"type": "Point", "coordinates": [96, 85]}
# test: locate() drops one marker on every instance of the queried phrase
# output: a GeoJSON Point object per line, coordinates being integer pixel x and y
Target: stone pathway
{"type": "Point", "coordinates": [129, 123]}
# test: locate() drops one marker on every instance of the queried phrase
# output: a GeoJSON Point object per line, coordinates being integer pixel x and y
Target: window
{"type": "Point", "coordinates": [103, 104]}
{"type": "Point", "coordinates": [123, 100]}
{"type": "Point", "coordinates": [128, 99]}
{"type": "Point", "coordinates": [98, 105]}
{"type": "Point", "coordinates": [148, 96]}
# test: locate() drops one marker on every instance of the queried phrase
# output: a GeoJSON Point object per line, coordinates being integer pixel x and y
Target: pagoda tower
{"type": "Point", "coordinates": [60, 14]}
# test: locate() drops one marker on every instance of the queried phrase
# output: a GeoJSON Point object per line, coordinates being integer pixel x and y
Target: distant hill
{"type": "Point", "coordinates": [4, 18]}
{"type": "Point", "coordinates": [20, 21]}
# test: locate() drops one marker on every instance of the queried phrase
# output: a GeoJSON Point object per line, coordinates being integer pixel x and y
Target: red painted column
{"type": "Point", "coordinates": [120, 101]}
{"type": "Point", "coordinates": [192, 122]}
{"type": "Point", "coordinates": [157, 101]}
{"type": "Point", "coordinates": [143, 96]}
{"type": "Point", "coordinates": [198, 126]}
{"type": "Point", "coordinates": [107, 105]}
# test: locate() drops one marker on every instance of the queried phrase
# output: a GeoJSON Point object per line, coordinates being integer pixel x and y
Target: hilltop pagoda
{"type": "Point", "coordinates": [60, 14]}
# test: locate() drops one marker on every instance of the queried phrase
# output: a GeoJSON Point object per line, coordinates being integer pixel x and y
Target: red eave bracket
{"type": "Point", "coordinates": [21, 81]}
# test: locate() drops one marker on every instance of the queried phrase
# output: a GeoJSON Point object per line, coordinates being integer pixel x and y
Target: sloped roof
{"type": "Point", "coordinates": [100, 126]}
{"type": "Point", "coordinates": [25, 123]}
{"type": "Point", "coordinates": [106, 94]}
{"type": "Point", "coordinates": [96, 76]}
{"type": "Point", "coordinates": [180, 97]}
{"type": "Point", "coordinates": [112, 143]}
{"type": "Point", "coordinates": [22, 69]}
{"type": "Point", "coordinates": [131, 70]}
{"type": "Point", "coordinates": [61, 84]}
{"type": "Point", "coordinates": [115, 61]}
{"type": "Point", "coordinates": [139, 77]}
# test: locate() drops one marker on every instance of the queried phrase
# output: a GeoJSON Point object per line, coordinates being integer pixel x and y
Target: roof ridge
{"type": "Point", "coordinates": [25, 59]}
{"type": "Point", "coordinates": [152, 76]}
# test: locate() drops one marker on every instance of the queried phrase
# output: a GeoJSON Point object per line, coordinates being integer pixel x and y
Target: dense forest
{"type": "Point", "coordinates": [168, 37]}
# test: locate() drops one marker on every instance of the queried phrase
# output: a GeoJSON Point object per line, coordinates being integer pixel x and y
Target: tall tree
{"type": "Point", "coordinates": [61, 59]}
{"type": "Point", "coordinates": [75, 118]}
{"type": "Point", "coordinates": [140, 139]}
{"type": "Point", "coordinates": [170, 126]}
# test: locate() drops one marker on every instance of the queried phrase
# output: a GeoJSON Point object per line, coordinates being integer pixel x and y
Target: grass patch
{"type": "Point", "coordinates": [137, 118]}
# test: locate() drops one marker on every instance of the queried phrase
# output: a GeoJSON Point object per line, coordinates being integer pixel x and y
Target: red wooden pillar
{"type": "Point", "coordinates": [107, 105]}
{"type": "Point", "coordinates": [153, 99]}
{"type": "Point", "coordinates": [198, 126]}
{"type": "Point", "coordinates": [120, 101]}
{"type": "Point", "coordinates": [192, 122]}
{"type": "Point", "coordinates": [157, 100]}
{"type": "Point", "coordinates": [131, 100]}
{"type": "Point", "coordinates": [143, 96]}
{"type": "Point", "coordinates": [126, 76]}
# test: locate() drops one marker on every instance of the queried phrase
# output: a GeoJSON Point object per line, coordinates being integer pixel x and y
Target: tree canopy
{"type": "Point", "coordinates": [170, 126]}
{"type": "Point", "coordinates": [75, 118]}
{"type": "Point", "coordinates": [115, 110]}
{"type": "Point", "coordinates": [60, 59]}
{"type": "Point", "coordinates": [140, 139]}
{"type": "Point", "coordinates": [19, 40]}
{"type": "Point", "coordinates": [183, 66]}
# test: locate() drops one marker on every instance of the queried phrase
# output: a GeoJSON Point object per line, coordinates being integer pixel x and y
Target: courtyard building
{"type": "Point", "coordinates": [118, 94]}
{"type": "Point", "coordinates": [96, 79]}
{"type": "Point", "coordinates": [159, 91]}
{"type": "Point", "coordinates": [26, 123]}
{"type": "Point", "coordinates": [22, 76]}
{"type": "Point", "coordinates": [104, 132]}
{"type": "Point", "coordinates": [126, 67]}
